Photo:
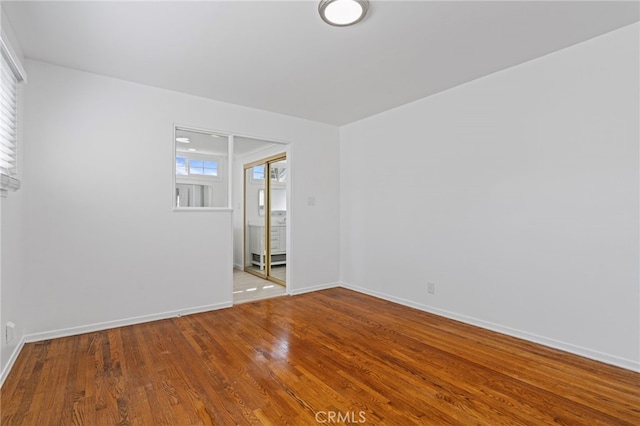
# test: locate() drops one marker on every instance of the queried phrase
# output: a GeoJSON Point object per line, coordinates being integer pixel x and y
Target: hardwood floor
{"type": "Point", "coordinates": [323, 356]}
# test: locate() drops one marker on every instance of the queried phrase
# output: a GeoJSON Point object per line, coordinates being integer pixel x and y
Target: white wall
{"type": "Point", "coordinates": [516, 194]}
{"type": "Point", "coordinates": [11, 246]}
{"type": "Point", "coordinates": [104, 246]}
{"type": "Point", "coordinates": [11, 273]}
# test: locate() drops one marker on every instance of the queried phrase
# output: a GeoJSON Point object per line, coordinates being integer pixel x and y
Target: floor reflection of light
{"type": "Point", "coordinates": [268, 286]}
{"type": "Point", "coordinates": [282, 350]}
{"type": "Point", "coordinates": [251, 289]}
{"type": "Point", "coordinates": [239, 291]}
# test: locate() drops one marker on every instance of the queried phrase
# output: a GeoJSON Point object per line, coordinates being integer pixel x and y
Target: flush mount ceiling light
{"type": "Point", "coordinates": [183, 140]}
{"type": "Point", "coordinates": [341, 13]}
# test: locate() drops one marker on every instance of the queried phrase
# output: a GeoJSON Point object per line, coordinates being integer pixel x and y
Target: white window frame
{"type": "Point", "coordinates": [224, 169]}
{"type": "Point", "coordinates": [189, 156]}
{"type": "Point", "coordinates": [12, 74]}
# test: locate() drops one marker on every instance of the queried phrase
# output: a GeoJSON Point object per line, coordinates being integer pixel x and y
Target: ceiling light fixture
{"type": "Point", "coordinates": [341, 13]}
{"type": "Point", "coordinates": [183, 140]}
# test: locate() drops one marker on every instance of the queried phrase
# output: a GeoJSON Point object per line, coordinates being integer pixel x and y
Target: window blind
{"type": "Point", "coordinates": [8, 125]}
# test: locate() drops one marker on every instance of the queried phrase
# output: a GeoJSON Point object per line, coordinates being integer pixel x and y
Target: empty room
{"type": "Point", "coordinates": [320, 212]}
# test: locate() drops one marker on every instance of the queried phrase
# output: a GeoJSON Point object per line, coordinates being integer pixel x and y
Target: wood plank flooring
{"type": "Point", "coordinates": [333, 356]}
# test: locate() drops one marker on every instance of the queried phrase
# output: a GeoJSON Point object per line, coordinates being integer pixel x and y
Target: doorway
{"type": "Point", "coordinates": [265, 218]}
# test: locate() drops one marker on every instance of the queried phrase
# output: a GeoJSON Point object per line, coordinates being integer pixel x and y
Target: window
{"type": "Point", "coordinates": [202, 167]}
{"type": "Point", "coordinates": [11, 75]}
{"type": "Point", "coordinates": [181, 166]}
{"type": "Point", "coordinates": [191, 166]}
{"type": "Point", "coordinates": [258, 173]}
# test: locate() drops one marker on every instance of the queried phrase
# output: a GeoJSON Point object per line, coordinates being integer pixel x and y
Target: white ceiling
{"type": "Point", "coordinates": [281, 57]}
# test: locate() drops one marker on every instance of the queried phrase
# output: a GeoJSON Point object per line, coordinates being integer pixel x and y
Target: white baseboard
{"type": "Point", "coordinates": [567, 347]}
{"type": "Point", "coordinates": [90, 328]}
{"type": "Point", "coordinates": [11, 361]}
{"type": "Point", "coordinates": [314, 288]}
{"type": "Point", "coordinates": [238, 267]}
{"type": "Point", "coordinates": [546, 341]}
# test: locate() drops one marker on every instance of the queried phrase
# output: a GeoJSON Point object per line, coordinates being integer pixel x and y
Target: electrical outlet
{"type": "Point", "coordinates": [9, 332]}
{"type": "Point", "coordinates": [431, 288]}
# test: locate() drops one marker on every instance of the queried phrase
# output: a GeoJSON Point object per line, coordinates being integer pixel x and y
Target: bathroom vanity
{"type": "Point", "coordinates": [278, 244]}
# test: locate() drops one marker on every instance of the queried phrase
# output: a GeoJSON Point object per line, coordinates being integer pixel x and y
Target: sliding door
{"type": "Point", "coordinates": [265, 210]}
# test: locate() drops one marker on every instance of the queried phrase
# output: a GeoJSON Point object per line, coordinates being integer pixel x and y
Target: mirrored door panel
{"type": "Point", "coordinates": [266, 218]}
{"type": "Point", "coordinates": [278, 219]}
{"type": "Point", "coordinates": [255, 257]}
